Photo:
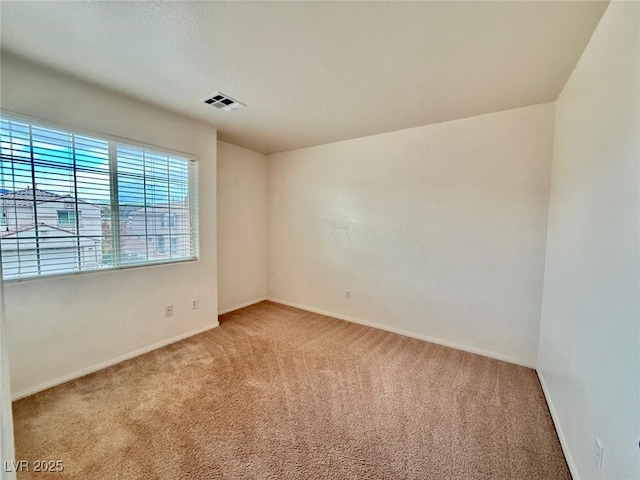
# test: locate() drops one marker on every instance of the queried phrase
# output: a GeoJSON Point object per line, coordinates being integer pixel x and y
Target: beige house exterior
{"type": "Point", "coordinates": [158, 232]}
{"type": "Point", "coordinates": [59, 237]}
{"type": "Point", "coordinates": [54, 237]}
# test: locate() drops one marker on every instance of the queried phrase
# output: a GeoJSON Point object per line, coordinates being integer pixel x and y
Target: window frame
{"type": "Point", "coordinates": [69, 221]}
{"type": "Point", "coordinates": [160, 243]}
{"type": "Point", "coordinates": [114, 141]}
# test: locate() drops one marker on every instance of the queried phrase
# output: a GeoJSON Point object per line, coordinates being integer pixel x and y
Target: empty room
{"type": "Point", "coordinates": [320, 240]}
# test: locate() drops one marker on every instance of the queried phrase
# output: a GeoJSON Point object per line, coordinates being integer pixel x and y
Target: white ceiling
{"type": "Point", "coordinates": [312, 72]}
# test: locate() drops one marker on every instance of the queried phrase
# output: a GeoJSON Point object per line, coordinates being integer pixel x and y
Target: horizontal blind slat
{"type": "Point", "coordinates": [72, 203]}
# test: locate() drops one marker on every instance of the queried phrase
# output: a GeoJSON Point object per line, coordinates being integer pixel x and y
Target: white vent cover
{"type": "Point", "coordinates": [223, 102]}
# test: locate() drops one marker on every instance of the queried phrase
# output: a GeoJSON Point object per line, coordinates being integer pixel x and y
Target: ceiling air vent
{"type": "Point", "coordinates": [223, 102]}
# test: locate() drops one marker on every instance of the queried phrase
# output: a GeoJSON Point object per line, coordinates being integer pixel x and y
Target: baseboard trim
{"type": "Point", "coordinates": [109, 363]}
{"type": "Point", "coordinates": [406, 333]}
{"type": "Point", "coordinates": [242, 305]}
{"type": "Point", "coordinates": [556, 423]}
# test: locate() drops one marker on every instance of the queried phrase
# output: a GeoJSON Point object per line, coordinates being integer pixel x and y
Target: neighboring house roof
{"type": "Point", "coordinates": [24, 197]}
{"type": "Point", "coordinates": [25, 228]}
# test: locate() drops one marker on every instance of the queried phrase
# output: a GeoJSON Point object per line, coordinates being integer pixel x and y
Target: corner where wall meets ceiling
{"type": "Point", "coordinates": [312, 72]}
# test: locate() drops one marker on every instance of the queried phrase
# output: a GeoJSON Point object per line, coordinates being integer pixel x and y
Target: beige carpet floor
{"type": "Point", "coordinates": [279, 393]}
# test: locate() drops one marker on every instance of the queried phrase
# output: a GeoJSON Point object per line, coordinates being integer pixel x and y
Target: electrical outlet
{"type": "Point", "coordinates": [168, 311]}
{"type": "Point", "coordinates": [194, 304]}
{"type": "Point", "coordinates": [598, 454]}
{"type": "Point", "coordinates": [347, 294]}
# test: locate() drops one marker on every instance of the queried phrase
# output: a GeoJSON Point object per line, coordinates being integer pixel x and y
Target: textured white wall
{"type": "Point", "coordinates": [589, 357]}
{"type": "Point", "coordinates": [242, 227]}
{"type": "Point", "coordinates": [60, 326]}
{"type": "Point", "coordinates": [7, 452]}
{"type": "Point", "coordinates": [438, 231]}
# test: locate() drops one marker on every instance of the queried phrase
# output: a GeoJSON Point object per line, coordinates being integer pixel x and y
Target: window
{"type": "Point", "coordinates": [66, 217]}
{"type": "Point", "coordinates": [168, 221]}
{"type": "Point", "coordinates": [124, 193]}
{"type": "Point", "coordinates": [160, 243]}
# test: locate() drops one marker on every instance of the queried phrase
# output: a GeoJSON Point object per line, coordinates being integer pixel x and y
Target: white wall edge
{"type": "Point", "coordinates": [556, 423]}
{"type": "Point", "coordinates": [406, 333]}
{"type": "Point", "coordinates": [242, 305]}
{"type": "Point", "coordinates": [109, 363]}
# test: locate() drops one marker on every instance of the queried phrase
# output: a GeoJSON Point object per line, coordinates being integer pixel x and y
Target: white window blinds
{"type": "Point", "coordinates": [71, 202]}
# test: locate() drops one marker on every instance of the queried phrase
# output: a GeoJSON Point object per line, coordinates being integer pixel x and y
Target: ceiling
{"type": "Point", "coordinates": [311, 72]}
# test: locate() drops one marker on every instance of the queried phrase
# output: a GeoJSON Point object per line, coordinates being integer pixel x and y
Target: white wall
{"type": "Point", "coordinates": [242, 227]}
{"type": "Point", "coordinates": [589, 358]}
{"type": "Point", "coordinates": [7, 452]}
{"type": "Point", "coordinates": [58, 327]}
{"type": "Point", "coordinates": [438, 231]}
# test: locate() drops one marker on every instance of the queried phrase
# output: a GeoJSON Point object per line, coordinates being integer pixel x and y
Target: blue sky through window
{"type": "Point", "coordinates": [143, 177]}
{"type": "Point", "coordinates": [74, 225]}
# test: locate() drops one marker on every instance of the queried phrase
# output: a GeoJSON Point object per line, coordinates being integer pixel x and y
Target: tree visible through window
{"type": "Point", "coordinates": [72, 202]}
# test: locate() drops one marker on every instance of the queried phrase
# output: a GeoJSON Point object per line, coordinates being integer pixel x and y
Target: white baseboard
{"type": "Point", "coordinates": [102, 365]}
{"type": "Point", "coordinates": [242, 305]}
{"type": "Point", "coordinates": [406, 333]}
{"type": "Point", "coordinates": [556, 422]}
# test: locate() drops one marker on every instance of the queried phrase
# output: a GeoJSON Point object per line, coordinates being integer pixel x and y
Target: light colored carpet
{"type": "Point", "coordinates": [279, 393]}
